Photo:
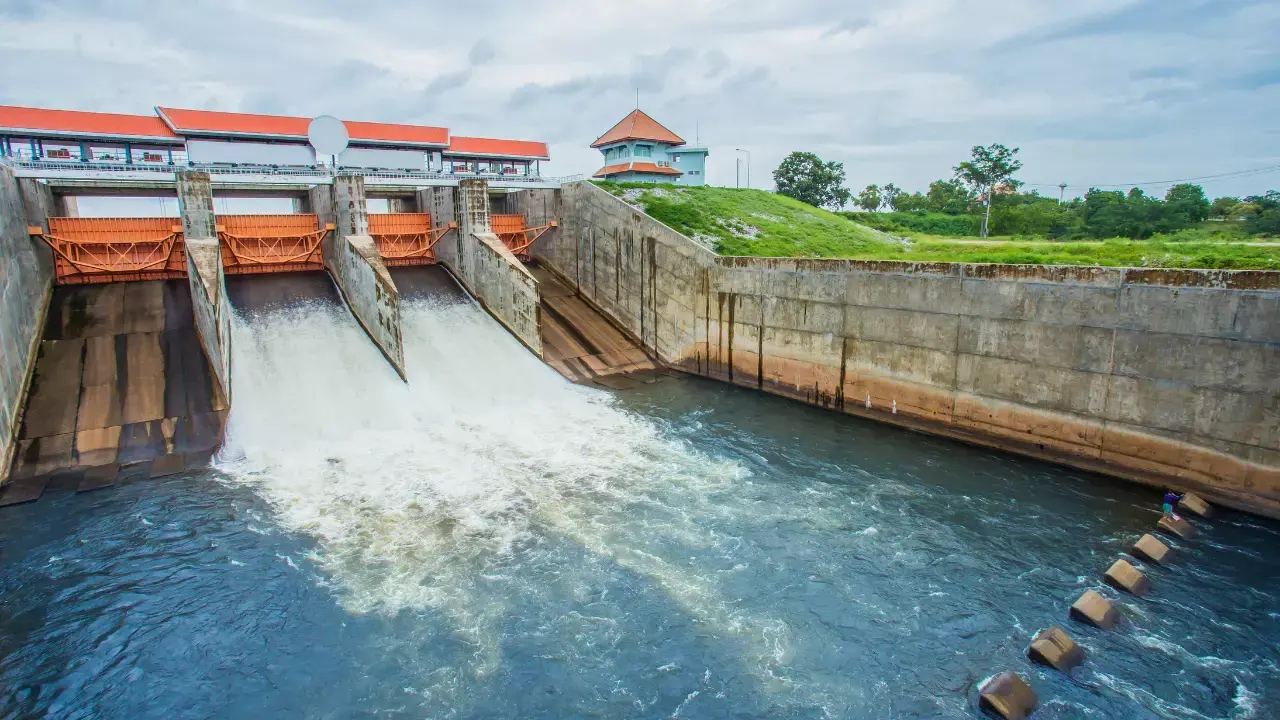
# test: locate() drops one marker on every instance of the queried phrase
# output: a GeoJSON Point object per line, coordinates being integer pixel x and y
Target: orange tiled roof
{"type": "Point", "coordinates": [640, 167]}
{"type": "Point", "coordinates": [497, 148]}
{"type": "Point", "coordinates": [638, 126]}
{"type": "Point", "coordinates": [85, 123]}
{"type": "Point", "coordinates": [197, 122]}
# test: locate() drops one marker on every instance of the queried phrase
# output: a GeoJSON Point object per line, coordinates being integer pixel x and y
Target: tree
{"type": "Point", "coordinates": [870, 198]}
{"type": "Point", "coordinates": [908, 202]}
{"type": "Point", "coordinates": [1187, 201]}
{"type": "Point", "coordinates": [1222, 207]}
{"type": "Point", "coordinates": [805, 177]}
{"type": "Point", "coordinates": [1265, 216]}
{"type": "Point", "coordinates": [989, 168]}
{"type": "Point", "coordinates": [949, 196]}
{"type": "Point", "coordinates": [889, 195]}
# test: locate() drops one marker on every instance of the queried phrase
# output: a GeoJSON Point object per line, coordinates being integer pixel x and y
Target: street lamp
{"type": "Point", "coordinates": [748, 152]}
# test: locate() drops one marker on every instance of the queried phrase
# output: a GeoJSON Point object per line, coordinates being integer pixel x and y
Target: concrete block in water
{"type": "Point", "coordinates": [1123, 576]}
{"type": "Point", "coordinates": [1053, 647]}
{"type": "Point", "coordinates": [1008, 696]}
{"type": "Point", "coordinates": [1150, 549]}
{"type": "Point", "coordinates": [1178, 527]}
{"type": "Point", "coordinates": [1192, 502]}
{"type": "Point", "coordinates": [1093, 609]}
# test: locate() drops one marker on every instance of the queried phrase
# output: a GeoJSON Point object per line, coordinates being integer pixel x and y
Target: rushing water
{"type": "Point", "coordinates": [490, 541]}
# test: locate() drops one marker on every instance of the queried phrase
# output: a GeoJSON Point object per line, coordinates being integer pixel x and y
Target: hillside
{"type": "Point", "coordinates": [752, 222]}
{"type": "Point", "coordinates": [755, 222]}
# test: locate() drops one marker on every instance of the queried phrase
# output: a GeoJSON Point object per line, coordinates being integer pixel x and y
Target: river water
{"type": "Point", "coordinates": [490, 541]}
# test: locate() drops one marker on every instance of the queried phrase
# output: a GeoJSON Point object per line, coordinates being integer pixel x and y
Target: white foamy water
{"type": "Point", "coordinates": [430, 494]}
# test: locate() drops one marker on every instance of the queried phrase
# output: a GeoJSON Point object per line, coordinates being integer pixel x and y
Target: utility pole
{"type": "Point", "coordinates": [737, 171]}
{"type": "Point", "coordinates": [748, 152]}
{"type": "Point", "coordinates": [1062, 191]}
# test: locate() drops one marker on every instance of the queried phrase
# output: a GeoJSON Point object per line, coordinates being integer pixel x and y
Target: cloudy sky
{"type": "Point", "coordinates": [1095, 92]}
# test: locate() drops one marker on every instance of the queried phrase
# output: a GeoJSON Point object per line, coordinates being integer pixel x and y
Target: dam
{"type": "Point", "coordinates": [525, 452]}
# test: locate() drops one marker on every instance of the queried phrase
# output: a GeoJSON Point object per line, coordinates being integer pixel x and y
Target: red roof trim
{"type": "Point", "coordinates": [638, 167]}
{"type": "Point", "coordinates": [648, 167]}
{"type": "Point", "coordinates": [212, 122]}
{"type": "Point", "coordinates": [608, 170]}
{"type": "Point", "coordinates": [81, 123]}
{"type": "Point", "coordinates": [493, 147]}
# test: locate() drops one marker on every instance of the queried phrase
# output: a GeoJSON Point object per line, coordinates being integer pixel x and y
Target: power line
{"type": "Point", "coordinates": [1220, 176]}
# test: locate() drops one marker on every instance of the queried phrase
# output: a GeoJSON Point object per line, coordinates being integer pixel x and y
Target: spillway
{"type": "Point", "coordinates": [489, 540]}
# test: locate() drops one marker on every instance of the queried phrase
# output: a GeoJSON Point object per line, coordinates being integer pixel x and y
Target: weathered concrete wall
{"type": "Point", "coordinates": [352, 257]}
{"type": "Point", "coordinates": [1159, 376]}
{"type": "Point", "coordinates": [484, 265]}
{"type": "Point", "coordinates": [646, 277]}
{"type": "Point", "coordinates": [209, 302]}
{"type": "Point", "coordinates": [26, 284]}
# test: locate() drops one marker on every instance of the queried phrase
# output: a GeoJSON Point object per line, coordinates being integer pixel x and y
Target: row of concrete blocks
{"type": "Point", "coordinates": [1008, 696]}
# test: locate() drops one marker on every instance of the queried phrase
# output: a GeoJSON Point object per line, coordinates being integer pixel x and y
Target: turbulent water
{"type": "Point", "coordinates": [490, 541]}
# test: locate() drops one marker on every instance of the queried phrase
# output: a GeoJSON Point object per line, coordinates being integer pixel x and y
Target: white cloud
{"type": "Point", "coordinates": [1094, 91]}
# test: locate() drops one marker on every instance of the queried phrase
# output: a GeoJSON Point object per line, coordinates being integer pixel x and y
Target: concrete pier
{"type": "Point", "coordinates": [352, 258]}
{"type": "Point", "coordinates": [483, 264]}
{"type": "Point", "coordinates": [26, 285]}
{"type": "Point", "coordinates": [205, 277]}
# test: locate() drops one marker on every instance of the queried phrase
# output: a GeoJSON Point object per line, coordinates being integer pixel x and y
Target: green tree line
{"type": "Point", "coordinates": [956, 206]}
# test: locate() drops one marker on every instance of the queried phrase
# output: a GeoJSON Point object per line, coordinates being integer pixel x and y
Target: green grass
{"type": "Point", "coordinates": [1112, 253]}
{"type": "Point", "coordinates": [749, 222]}
{"type": "Point", "coordinates": [759, 223]}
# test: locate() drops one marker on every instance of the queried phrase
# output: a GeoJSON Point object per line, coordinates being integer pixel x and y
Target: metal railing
{"type": "Point", "coordinates": [283, 171]}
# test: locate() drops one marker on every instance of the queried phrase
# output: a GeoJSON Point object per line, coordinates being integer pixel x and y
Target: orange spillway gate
{"type": "Point", "coordinates": [100, 250]}
{"type": "Point", "coordinates": [271, 243]}
{"type": "Point", "coordinates": [511, 230]}
{"type": "Point", "coordinates": [406, 238]}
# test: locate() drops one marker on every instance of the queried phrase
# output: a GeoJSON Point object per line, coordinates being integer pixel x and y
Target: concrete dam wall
{"type": "Point", "coordinates": [1158, 376]}
{"type": "Point", "coordinates": [26, 285]}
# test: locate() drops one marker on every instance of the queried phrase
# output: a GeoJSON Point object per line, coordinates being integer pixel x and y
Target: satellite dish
{"type": "Point", "coordinates": [327, 135]}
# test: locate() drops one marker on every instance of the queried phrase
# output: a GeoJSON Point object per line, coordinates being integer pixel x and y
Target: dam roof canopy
{"type": "Point", "coordinates": [495, 148]}
{"type": "Point", "coordinates": [82, 124]}
{"type": "Point", "coordinates": [283, 127]}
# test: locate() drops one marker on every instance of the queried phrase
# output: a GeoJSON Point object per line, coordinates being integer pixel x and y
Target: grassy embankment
{"type": "Point", "coordinates": [755, 222]}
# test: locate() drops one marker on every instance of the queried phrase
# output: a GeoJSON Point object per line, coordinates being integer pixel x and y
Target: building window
{"type": "Point", "coordinates": [644, 151]}
{"type": "Point", "coordinates": [675, 159]}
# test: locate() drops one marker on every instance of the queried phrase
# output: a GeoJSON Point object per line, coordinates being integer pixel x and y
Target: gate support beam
{"type": "Point", "coordinates": [352, 258]}
{"type": "Point", "coordinates": [209, 301]}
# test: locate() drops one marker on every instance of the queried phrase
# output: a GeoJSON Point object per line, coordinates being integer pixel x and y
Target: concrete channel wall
{"type": "Point", "coordinates": [1159, 376]}
{"type": "Point", "coordinates": [26, 284]}
{"type": "Point", "coordinates": [352, 258]}
{"type": "Point", "coordinates": [482, 263]}
{"type": "Point", "coordinates": [646, 277]}
{"type": "Point", "coordinates": [209, 304]}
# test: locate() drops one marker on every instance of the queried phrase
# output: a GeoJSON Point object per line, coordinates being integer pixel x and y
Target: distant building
{"type": "Point", "coordinates": [640, 149]}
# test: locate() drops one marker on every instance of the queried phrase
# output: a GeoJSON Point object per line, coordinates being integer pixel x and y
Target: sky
{"type": "Point", "coordinates": [1094, 92]}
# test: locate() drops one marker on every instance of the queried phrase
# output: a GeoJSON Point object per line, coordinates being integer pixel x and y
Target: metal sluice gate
{"type": "Point", "coordinates": [406, 238]}
{"type": "Point", "coordinates": [513, 233]}
{"type": "Point", "coordinates": [103, 250]}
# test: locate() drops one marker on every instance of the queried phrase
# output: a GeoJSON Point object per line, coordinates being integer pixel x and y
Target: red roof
{"type": "Point", "coordinates": [640, 167]}
{"type": "Point", "coordinates": [210, 122]}
{"type": "Point", "coordinates": [75, 122]}
{"type": "Point", "coordinates": [638, 126]}
{"type": "Point", "coordinates": [497, 148]}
